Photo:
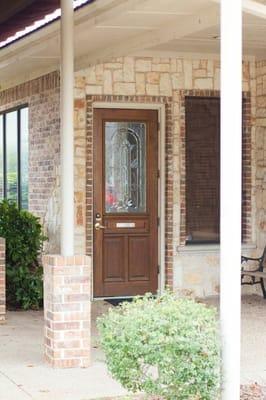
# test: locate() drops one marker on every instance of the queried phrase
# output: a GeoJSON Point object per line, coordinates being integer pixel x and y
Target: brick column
{"type": "Point", "coordinates": [67, 290]}
{"type": "Point", "coordinates": [2, 280]}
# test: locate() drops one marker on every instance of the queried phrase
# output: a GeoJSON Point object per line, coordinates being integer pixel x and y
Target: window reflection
{"type": "Point", "coordinates": [24, 146]}
{"type": "Point", "coordinates": [12, 156]}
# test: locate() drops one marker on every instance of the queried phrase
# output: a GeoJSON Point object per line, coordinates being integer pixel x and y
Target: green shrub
{"type": "Point", "coordinates": [24, 242]}
{"type": "Point", "coordinates": [163, 346]}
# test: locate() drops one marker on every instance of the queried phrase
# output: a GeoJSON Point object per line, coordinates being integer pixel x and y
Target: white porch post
{"type": "Point", "coordinates": [67, 128]}
{"type": "Point", "coordinates": [67, 345]}
{"type": "Point", "coordinates": [231, 137]}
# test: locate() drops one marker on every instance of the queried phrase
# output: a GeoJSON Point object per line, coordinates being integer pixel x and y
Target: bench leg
{"type": "Point", "coordinates": [263, 288]}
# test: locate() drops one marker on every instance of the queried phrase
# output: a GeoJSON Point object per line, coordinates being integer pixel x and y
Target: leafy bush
{"type": "Point", "coordinates": [24, 287]}
{"type": "Point", "coordinates": [163, 346]}
{"type": "Point", "coordinates": [24, 242]}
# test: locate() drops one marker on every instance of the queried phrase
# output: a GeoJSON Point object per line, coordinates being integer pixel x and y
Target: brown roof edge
{"type": "Point", "coordinates": [25, 14]}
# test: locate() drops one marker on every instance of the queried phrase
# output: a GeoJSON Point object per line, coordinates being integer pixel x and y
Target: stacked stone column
{"type": "Point", "coordinates": [67, 292]}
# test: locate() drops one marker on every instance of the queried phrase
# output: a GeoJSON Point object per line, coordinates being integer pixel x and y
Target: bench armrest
{"type": "Point", "coordinates": [258, 262]}
{"type": "Point", "coordinates": [244, 258]}
{"type": "Point", "coordinates": [249, 271]}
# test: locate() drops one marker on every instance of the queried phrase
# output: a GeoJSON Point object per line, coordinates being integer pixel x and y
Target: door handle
{"type": "Point", "coordinates": [98, 226]}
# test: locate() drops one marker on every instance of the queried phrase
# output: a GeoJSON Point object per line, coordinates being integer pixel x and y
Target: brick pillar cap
{"type": "Point", "coordinates": [57, 259]}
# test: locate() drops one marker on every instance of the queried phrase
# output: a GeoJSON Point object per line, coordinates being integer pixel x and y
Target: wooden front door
{"type": "Point", "coordinates": [125, 202]}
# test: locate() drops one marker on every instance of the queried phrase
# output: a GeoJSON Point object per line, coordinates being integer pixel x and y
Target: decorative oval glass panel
{"type": "Point", "coordinates": [125, 167]}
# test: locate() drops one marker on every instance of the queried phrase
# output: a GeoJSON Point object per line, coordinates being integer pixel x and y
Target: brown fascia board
{"type": "Point", "coordinates": [10, 8]}
{"type": "Point", "coordinates": [23, 13]}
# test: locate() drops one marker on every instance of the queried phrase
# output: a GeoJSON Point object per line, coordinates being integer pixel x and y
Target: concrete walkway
{"type": "Point", "coordinates": [253, 328]}
{"type": "Point", "coordinates": [23, 374]}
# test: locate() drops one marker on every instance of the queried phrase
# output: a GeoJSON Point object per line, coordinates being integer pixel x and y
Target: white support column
{"type": "Point", "coordinates": [231, 137]}
{"type": "Point", "coordinates": [67, 128]}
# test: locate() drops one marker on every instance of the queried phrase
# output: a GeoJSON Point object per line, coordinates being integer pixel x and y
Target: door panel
{"type": "Point", "coordinates": [138, 251]}
{"type": "Point", "coordinates": [114, 258]}
{"type": "Point", "coordinates": [125, 202]}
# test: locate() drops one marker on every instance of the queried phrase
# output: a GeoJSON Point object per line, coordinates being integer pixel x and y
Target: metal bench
{"type": "Point", "coordinates": [257, 275]}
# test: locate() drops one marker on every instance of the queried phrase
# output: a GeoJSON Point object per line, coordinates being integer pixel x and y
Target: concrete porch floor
{"type": "Point", "coordinates": [24, 375]}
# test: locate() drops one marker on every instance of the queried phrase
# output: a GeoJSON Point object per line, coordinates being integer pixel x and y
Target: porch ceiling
{"type": "Point", "coordinates": [111, 28]}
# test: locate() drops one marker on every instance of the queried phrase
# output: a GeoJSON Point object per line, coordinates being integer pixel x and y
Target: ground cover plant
{"type": "Point", "coordinates": [164, 346]}
{"type": "Point", "coordinates": [24, 241]}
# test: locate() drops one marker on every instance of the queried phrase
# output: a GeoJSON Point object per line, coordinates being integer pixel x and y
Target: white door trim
{"type": "Point", "coordinates": [161, 181]}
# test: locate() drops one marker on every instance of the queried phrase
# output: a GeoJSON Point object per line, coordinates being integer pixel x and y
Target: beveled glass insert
{"type": "Point", "coordinates": [125, 167]}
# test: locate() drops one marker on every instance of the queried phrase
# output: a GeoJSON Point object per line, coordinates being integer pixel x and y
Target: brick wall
{"type": "Point", "coordinates": [67, 292]}
{"type": "Point", "coordinates": [202, 146]}
{"type": "Point", "coordinates": [260, 143]}
{"type": "Point", "coordinates": [2, 281]}
{"type": "Point", "coordinates": [167, 101]}
{"type": "Point", "coordinates": [140, 79]}
{"type": "Point", "coordinates": [82, 151]}
{"type": "Point", "coordinates": [247, 170]}
{"type": "Point", "coordinates": [42, 97]}
{"type": "Point", "coordinates": [246, 163]}
{"type": "Point", "coordinates": [149, 80]}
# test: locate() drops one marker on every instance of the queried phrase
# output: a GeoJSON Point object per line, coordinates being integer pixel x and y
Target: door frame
{"type": "Point", "coordinates": [161, 179]}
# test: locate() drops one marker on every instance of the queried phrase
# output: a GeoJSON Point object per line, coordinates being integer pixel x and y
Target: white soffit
{"type": "Point", "coordinates": [110, 28]}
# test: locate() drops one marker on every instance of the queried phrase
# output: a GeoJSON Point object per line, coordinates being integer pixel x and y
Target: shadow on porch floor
{"type": "Point", "coordinates": [23, 374]}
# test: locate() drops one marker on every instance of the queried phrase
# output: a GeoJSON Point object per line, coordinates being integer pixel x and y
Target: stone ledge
{"type": "Point", "coordinates": [207, 248]}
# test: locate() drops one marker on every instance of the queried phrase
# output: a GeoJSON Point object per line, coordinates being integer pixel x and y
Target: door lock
{"type": "Point", "coordinates": [98, 217]}
{"type": "Point", "coordinates": [98, 226]}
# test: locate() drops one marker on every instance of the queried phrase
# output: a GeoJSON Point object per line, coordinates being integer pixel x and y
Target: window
{"type": "Point", "coordinates": [14, 155]}
{"type": "Point", "coordinates": [203, 169]}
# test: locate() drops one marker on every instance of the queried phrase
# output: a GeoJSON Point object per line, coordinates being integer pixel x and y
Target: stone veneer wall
{"type": "Point", "coordinates": [260, 143]}
{"type": "Point", "coordinates": [2, 281]}
{"type": "Point", "coordinates": [246, 163]}
{"type": "Point", "coordinates": [149, 80]}
{"type": "Point", "coordinates": [167, 101]}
